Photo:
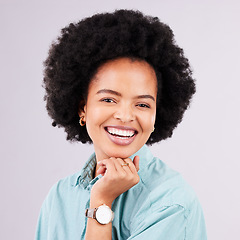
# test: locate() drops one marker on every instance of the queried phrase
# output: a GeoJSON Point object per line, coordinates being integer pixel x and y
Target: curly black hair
{"type": "Point", "coordinates": [83, 47]}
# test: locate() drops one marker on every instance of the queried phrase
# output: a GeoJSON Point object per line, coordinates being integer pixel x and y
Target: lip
{"type": "Point", "coordinates": [119, 140]}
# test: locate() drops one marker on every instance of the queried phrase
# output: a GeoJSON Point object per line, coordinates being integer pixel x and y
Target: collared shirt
{"type": "Point", "coordinates": [162, 206]}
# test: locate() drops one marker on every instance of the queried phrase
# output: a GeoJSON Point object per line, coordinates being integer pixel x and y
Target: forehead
{"type": "Point", "coordinates": [125, 74]}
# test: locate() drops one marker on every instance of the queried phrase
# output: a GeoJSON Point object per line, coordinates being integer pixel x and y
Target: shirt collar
{"type": "Point", "coordinates": [85, 177]}
{"type": "Point", "coordinates": [145, 157]}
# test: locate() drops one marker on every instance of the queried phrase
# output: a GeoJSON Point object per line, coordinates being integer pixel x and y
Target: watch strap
{"type": "Point", "coordinates": [91, 213]}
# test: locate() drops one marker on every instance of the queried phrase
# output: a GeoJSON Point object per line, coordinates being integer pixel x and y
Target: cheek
{"type": "Point", "coordinates": [148, 121]}
{"type": "Point", "coordinates": [153, 118]}
{"type": "Point", "coordinates": [95, 117]}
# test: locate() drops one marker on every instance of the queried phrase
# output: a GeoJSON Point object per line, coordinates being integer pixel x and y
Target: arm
{"type": "Point", "coordinates": [166, 223]}
{"type": "Point", "coordinates": [116, 180]}
{"type": "Point", "coordinates": [42, 226]}
{"type": "Point", "coordinates": [43, 223]}
{"type": "Point", "coordinates": [173, 222]}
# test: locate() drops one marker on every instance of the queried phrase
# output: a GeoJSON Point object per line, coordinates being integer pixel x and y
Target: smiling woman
{"type": "Point", "coordinates": [119, 116]}
{"type": "Point", "coordinates": [119, 81]}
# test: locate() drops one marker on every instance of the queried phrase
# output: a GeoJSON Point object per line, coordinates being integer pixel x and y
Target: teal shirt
{"type": "Point", "coordinates": [162, 206]}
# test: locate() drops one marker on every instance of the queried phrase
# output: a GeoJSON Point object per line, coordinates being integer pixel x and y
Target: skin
{"type": "Point", "coordinates": [121, 96]}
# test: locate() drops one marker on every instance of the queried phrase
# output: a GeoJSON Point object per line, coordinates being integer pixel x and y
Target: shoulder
{"type": "Point", "coordinates": [58, 191]}
{"type": "Point", "coordinates": [166, 187]}
{"type": "Point", "coordinates": [165, 199]}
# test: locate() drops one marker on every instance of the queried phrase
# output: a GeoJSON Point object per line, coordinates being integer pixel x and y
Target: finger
{"type": "Point", "coordinates": [131, 166]}
{"type": "Point", "coordinates": [101, 170]}
{"type": "Point", "coordinates": [136, 162]}
{"type": "Point", "coordinates": [108, 164]}
{"type": "Point", "coordinates": [121, 166]}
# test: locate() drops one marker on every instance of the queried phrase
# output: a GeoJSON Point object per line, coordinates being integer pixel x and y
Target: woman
{"type": "Point", "coordinates": [119, 81]}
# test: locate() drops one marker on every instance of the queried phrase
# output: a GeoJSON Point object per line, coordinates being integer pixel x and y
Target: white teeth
{"type": "Point", "coordinates": [120, 132]}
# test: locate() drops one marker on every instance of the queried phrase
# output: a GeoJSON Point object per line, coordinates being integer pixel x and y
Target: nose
{"type": "Point", "coordinates": [124, 113]}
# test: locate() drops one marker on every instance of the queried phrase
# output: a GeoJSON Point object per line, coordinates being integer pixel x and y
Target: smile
{"type": "Point", "coordinates": [120, 132]}
{"type": "Point", "coordinates": [121, 135]}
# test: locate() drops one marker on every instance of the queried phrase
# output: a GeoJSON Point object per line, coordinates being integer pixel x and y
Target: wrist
{"type": "Point", "coordinates": [94, 203]}
{"type": "Point", "coordinates": [96, 200]}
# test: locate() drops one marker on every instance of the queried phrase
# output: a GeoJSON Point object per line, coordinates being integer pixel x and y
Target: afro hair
{"type": "Point", "coordinates": [83, 47]}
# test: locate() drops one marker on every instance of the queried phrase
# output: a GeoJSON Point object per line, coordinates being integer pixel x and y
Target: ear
{"type": "Point", "coordinates": [82, 108]}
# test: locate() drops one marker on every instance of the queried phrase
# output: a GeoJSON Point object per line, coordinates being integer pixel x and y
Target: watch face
{"type": "Point", "coordinates": [104, 214]}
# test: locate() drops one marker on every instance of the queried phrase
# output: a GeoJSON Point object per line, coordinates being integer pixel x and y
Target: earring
{"type": "Point", "coordinates": [153, 129]}
{"type": "Point", "coordinates": [81, 121]}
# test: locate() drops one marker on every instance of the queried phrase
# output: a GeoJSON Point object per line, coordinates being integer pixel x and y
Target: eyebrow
{"type": "Point", "coordinates": [119, 94]}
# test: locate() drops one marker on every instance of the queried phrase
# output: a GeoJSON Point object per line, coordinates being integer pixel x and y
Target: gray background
{"type": "Point", "coordinates": [204, 148]}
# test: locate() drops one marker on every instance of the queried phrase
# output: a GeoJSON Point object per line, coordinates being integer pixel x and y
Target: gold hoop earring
{"type": "Point", "coordinates": [81, 121]}
{"type": "Point", "coordinates": [153, 130]}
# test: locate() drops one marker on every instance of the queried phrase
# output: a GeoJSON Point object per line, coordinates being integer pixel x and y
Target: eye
{"type": "Point", "coordinates": [143, 105]}
{"type": "Point", "coordinates": [108, 100]}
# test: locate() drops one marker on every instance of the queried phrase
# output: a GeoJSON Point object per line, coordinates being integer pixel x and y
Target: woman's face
{"type": "Point", "coordinates": [121, 107]}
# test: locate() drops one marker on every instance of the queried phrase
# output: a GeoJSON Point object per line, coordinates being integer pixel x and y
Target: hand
{"type": "Point", "coordinates": [116, 179]}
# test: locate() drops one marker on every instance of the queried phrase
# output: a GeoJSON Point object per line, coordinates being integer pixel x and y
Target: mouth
{"type": "Point", "coordinates": [121, 135]}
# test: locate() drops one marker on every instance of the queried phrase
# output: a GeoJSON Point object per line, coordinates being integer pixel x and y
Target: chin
{"type": "Point", "coordinates": [118, 155]}
{"type": "Point", "coordinates": [122, 153]}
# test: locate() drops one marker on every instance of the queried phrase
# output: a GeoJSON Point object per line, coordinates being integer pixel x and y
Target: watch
{"type": "Point", "coordinates": [103, 214]}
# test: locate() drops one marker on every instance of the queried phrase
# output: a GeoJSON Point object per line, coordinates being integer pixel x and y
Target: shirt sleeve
{"type": "Point", "coordinates": [42, 230]}
{"type": "Point", "coordinates": [171, 223]}
{"type": "Point", "coordinates": [42, 225]}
